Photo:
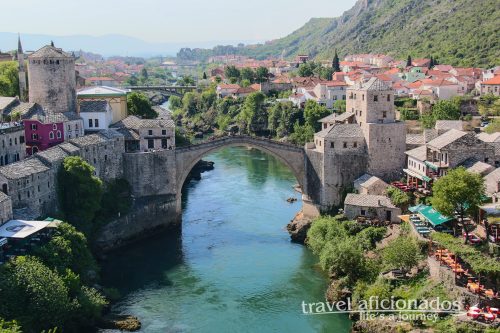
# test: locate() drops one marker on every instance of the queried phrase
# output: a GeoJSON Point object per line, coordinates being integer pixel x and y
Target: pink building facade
{"type": "Point", "coordinates": [41, 136]}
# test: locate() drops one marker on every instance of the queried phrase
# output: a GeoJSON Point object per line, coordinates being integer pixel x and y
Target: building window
{"type": "Point", "coordinates": [363, 97]}
{"type": "Point", "coordinates": [96, 122]}
{"type": "Point", "coordinates": [363, 212]}
{"type": "Point", "coordinates": [33, 127]}
{"type": "Point", "coordinates": [150, 132]}
{"type": "Point", "coordinates": [163, 132]}
{"type": "Point", "coordinates": [388, 98]}
{"type": "Point", "coordinates": [355, 145]}
{"type": "Point", "coordinates": [91, 123]}
{"type": "Point", "coordinates": [345, 144]}
{"type": "Point", "coordinates": [54, 127]}
{"type": "Point", "coordinates": [332, 145]}
{"type": "Point", "coordinates": [10, 141]}
{"type": "Point", "coordinates": [151, 143]}
{"type": "Point", "coordinates": [34, 136]}
{"type": "Point", "coordinates": [15, 141]}
{"type": "Point", "coordinates": [375, 98]}
{"type": "Point", "coordinates": [51, 135]}
{"type": "Point", "coordinates": [384, 114]}
{"type": "Point", "coordinates": [59, 135]}
{"type": "Point", "coordinates": [360, 113]}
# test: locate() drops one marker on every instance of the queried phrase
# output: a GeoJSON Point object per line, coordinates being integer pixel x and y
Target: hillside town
{"type": "Point", "coordinates": [366, 159]}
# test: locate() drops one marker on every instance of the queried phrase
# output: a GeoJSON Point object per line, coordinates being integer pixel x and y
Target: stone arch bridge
{"type": "Point", "coordinates": [291, 155]}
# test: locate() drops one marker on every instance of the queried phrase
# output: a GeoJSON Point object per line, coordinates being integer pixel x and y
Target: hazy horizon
{"type": "Point", "coordinates": [155, 21]}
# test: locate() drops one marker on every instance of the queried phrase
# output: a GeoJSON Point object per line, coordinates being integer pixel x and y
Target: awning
{"type": "Point", "coordinates": [21, 229]}
{"type": "Point", "coordinates": [417, 208]}
{"type": "Point", "coordinates": [3, 241]}
{"type": "Point", "coordinates": [417, 175]}
{"type": "Point", "coordinates": [432, 166]}
{"type": "Point", "coordinates": [433, 216]}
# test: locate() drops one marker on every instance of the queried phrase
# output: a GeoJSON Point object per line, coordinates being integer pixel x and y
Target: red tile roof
{"type": "Point", "coordinates": [495, 80]}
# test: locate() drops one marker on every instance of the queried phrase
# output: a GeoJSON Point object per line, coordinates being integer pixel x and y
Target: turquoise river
{"type": "Point", "coordinates": [232, 267]}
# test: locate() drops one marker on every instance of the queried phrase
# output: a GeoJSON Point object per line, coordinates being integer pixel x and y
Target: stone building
{"type": "Point", "coordinates": [116, 97]}
{"type": "Point", "coordinates": [147, 134]}
{"type": "Point", "coordinates": [5, 208]}
{"type": "Point", "coordinates": [97, 115]}
{"type": "Point", "coordinates": [12, 143]}
{"type": "Point", "coordinates": [370, 206]}
{"type": "Point", "coordinates": [47, 129]}
{"type": "Point", "coordinates": [52, 79]}
{"type": "Point", "coordinates": [374, 143]}
{"type": "Point", "coordinates": [32, 183]}
{"type": "Point", "coordinates": [368, 184]}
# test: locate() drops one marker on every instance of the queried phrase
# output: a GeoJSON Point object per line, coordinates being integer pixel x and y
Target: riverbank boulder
{"type": "Point", "coordinates": [298, 227]}
{"type": "Point", "coordinates": [121, 322]}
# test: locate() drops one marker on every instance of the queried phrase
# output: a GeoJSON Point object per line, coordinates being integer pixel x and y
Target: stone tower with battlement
{"type": "Point", "coordinates": [23, 91]}
{"type": "Point", "coordinates": [372, 103]}
{"type": "Point", "coordinates": [52, 79]}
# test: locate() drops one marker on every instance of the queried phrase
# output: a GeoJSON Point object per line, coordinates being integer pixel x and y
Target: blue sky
{"type": "Point", "coordinates": [167, 20]}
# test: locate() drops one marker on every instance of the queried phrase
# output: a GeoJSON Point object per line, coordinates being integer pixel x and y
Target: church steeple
{"type": "Point", "coordinates": [19, 46]}
{"type": "Point", "coordinates": [22, 71]}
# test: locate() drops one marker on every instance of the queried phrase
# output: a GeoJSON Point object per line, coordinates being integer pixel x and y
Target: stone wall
{"type": "Point", "coordinates": [386, 149]}
{"type": "Point", "coordinates": [380, 213]}
{"type": "Point", "coordinates": [12, 145]}
{"type": "Point", "coordinates": [52, 83]}
{"type": "Point", "coordinates": [5, 208]}
{"type": "Point", "coordinates": [151, 174]}
{"type": "Point", "coordinates": [149, 215]}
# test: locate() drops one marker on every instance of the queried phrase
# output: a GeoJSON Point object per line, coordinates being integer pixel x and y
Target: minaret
{"type": "Point", "coordinates": [22, 71]}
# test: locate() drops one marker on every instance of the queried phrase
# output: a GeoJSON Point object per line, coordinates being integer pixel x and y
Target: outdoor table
{"type": "Point", "coordinates": [489, 316]}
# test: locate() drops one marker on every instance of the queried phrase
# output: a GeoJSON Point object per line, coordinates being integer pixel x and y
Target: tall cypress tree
{"type": "Point", "coordinates": [336, 63]}
{"type": "Point", "coordinates": [408, 61]}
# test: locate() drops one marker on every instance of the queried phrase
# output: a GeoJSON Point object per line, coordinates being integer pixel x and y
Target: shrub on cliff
{"type": "Point", "coordinates": [79, 192]}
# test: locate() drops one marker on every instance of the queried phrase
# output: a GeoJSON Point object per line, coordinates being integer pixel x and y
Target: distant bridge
{"type": "Point", "coordinates": [170, 90]}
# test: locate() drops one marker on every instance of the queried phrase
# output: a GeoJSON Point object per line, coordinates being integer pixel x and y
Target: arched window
{"type": "Point", "coordinates": [34, 150]}
{"type": "Point", "coordinates": [59, 135]}
{"type": "Point", "coordinates": [51, 135]}
{"type": "Point", "coordinates": [4, 188]}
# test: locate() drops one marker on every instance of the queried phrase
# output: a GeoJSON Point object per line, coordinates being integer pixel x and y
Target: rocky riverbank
{"type": "Point", "coordinates": [298, 227]}
{"type": "Point", "coordinates": [199, 168]}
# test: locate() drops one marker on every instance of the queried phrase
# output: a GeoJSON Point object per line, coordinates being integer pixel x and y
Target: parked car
{"type": "Point", "coordinates": [484, 123]}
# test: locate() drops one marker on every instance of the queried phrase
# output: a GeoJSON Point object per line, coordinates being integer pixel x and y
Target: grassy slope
{"type": "Point", "coordinates": [458, 32]}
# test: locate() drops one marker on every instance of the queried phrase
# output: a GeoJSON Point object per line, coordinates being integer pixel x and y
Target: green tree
{"type": "Point", "coordinates": [262, 74]}
{"type": "Point", "coordinates": [79, 192]}
{"type": "Point", "coordinates": [144, 74]}
{"type": "Point", "coordinates": [253, 114]}
{"type": "Point", "coordinates": [493, 127]}
{"type": "Point", "coordinates": [116, 200]}
{"type": "Point", "coordinates": [489, 105]}
{"type": "Point", "coordinates": [9, 79]}
{"type": "Point", "coordinates": [9, 326]}
{"type": "Point", "coordinates": [459, 191]}
{"type": "Point", "coordinates": [231, 72]}
{"type": "Point", "coordinates": [190, 103]}
{"type": "Point", "coordinates": [307, 69]}
{"type": "Point", "coordinates": [185, 81]}
{"type": "Point", "coordinates": [302, 133]}
{"type": "Point", "coordinates": [139, 105]}
{"type": "Point", "coordinates": [313, 112]}
{"type": "Point", "coordinates": [340, 105]}
{"type": "Point", "coordinates": [33, 294]}
{"type": "Point", "coordinates": [247, 74]}
{"type": "Point", "coordinates": [336, 63]}
{"type": "Point", "coordinates": [402, 253]}
{"type": "Point", "coordinates": [446, 110]}
{"type": "Point", "coordinates": [68, 249]}
{"type": "Point", "coordinates": [175, 102]}
{"type": "Point", "coordinates": [399, 198]}
{"type": "Point", "coordinates": [282, 117]}
{"type": "Point", "coordinates": [343, 258]}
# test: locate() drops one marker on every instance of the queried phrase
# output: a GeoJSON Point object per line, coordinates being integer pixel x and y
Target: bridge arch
{"type": "Point", "coordinates": [291, 155]}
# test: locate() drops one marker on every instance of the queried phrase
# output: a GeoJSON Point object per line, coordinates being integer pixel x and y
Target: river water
{"type": "Point", "coordinates": [232, 268]}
